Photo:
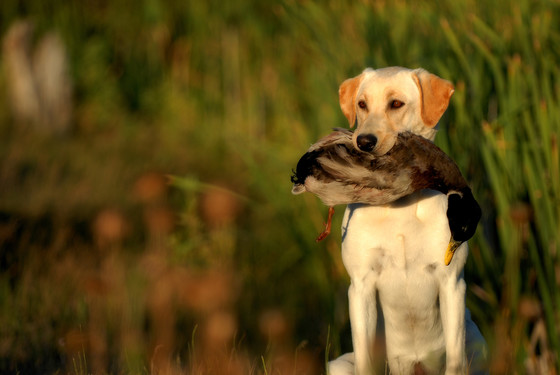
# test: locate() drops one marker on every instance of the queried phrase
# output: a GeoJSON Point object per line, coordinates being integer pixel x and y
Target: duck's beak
{"type": "Point", "coordinates": [453, 245]}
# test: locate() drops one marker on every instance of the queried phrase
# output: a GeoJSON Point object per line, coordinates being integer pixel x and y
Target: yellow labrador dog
{"type": "Point", "coordinates": [394, 254]}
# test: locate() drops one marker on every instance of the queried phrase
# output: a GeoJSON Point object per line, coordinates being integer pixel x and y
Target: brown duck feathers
{"type": "Point", "coordinates": [338, 173]}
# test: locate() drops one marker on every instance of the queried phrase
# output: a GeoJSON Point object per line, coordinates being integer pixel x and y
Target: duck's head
{"type": "Point", "coordinates": [463, 214]}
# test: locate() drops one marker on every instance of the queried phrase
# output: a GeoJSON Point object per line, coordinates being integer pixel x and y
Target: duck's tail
{"type": "Point", "coordinates": [298, 182]}
{"type": "Point", "coordinates": [298, 189]}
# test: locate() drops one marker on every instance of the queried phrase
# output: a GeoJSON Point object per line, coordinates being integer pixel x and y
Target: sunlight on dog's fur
{"type": "Point", "coordinates": [394, 253]}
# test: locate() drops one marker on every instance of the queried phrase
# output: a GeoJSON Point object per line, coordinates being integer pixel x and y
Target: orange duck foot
{"type": "Point", "coordinates": [327, 230]}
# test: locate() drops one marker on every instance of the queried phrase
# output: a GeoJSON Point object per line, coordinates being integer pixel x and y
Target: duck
{"type": "Point", "coordinates": [339, 174]}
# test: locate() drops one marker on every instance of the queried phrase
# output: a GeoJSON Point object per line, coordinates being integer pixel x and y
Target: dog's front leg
{"type": "Point", "coordinates": [363, 320]}
{"type": "Point", "coordinates": [452, 306]}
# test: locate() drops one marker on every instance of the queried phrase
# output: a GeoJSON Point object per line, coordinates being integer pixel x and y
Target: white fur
{"type": "Point", "coordinates": [395, 254]}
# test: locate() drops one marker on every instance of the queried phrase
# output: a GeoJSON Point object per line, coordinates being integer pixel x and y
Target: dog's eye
{"type": "Point", "coordinates": [362, 104]}
{"type": "Point", "coordinates": [396, 104]}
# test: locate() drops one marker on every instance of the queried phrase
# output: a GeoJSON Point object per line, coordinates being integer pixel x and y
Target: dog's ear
{"type": "Point", "coordinates": [435, 93]}
{"type": "Point", "coordinates": [347, 98]}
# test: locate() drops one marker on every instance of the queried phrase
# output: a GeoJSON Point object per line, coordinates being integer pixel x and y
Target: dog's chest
{"type": "Point", "coordinates": [405, 274]}
{"type": "Point", "coordinates": [401, 247]}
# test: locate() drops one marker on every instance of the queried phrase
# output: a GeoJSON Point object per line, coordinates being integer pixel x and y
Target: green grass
{"type": "Point", "coordinates": [98, 275]}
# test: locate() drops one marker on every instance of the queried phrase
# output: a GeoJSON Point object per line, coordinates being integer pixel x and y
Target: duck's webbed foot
{"type": "Point", "coordinates": [327, 230]}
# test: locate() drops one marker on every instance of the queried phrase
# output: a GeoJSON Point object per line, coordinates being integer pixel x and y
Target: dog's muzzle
{"type": "Point", "coordinates": [366, 142]}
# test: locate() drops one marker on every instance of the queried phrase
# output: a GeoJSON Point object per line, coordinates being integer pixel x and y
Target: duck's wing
{"type": "Point", "coordinates": [338, 173]}
{"type": "Point", "coordinates": [346, 175]}
{"type": "Point", "coordinates": [432, 167]}
{"type": "Point", "coordinates": [414, 163]}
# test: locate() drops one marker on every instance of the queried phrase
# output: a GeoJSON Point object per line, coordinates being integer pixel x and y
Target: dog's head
{"type": "Point", "coordinates": [385, 102]}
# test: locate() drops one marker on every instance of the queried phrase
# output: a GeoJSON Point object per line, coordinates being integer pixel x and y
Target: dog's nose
{"type": "Point", "coordinates": [366, 142]}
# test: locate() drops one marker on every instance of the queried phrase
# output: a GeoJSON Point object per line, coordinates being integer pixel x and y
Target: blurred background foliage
{"type": "Point", "coordinates": [146, 220]}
